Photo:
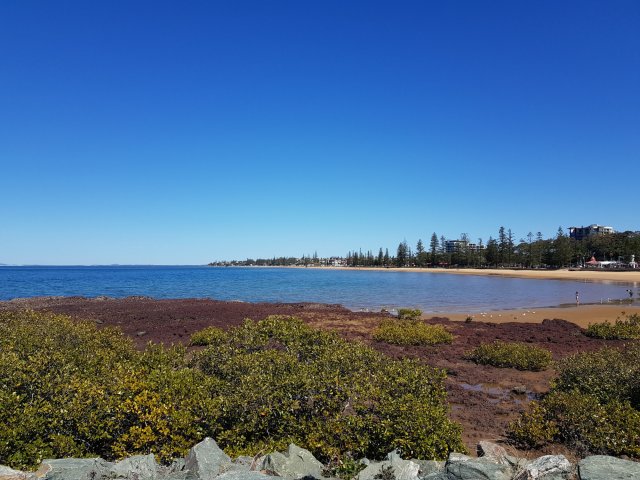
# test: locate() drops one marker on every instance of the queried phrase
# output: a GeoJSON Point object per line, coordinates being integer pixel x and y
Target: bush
{"type": "Point", "coordinates": [409, 313]}
{"type": "Point", "coordinates": [580, 422]}
{"type": "Point", "coordinates": [69, 389]}
{"type": "Point", "coordinates": [209, 336]}
{"type": "Point", "coordinates": [593, 406]}
{"type": "Point", "coordinates": [411, 332]}
{"type": "Point", "coordinates": [283, 381]}
{"type": "Point", "coordinates": [623, 329]}
{"type": "Point", "coordinates": [511, 355]}
{"type": "Point", "coordinates": [608, 374]}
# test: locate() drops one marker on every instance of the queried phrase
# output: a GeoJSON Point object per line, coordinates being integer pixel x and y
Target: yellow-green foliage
{"type": "Point", "coordinates": [593, 407]}
{"type": "Point", "coordinates": [622, 329]}
{"type": "Point", "coordinates": [284, 381]}
{"type": "Point", "coordinates": [409, 313]}
{"type": "Point", "coordinates": [68, 389]}
{"type": "Point", "coordinates": [411, 332]}
{"type": "Point", "coordinates": [511, 355]}
{"type": "Point", "coordinates": [209, 336]}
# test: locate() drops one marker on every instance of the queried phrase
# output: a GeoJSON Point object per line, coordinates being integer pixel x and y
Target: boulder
{"type": "Point", "coordinates": [245, 475]}
{"type": "Point", "coordinates": [296, 463]}
{"type": "Point", "coordinates": [138, 467]}
{"type": "Point", "coordinates": [462, 467]}
{"type": "Point", "coordinates": [429, 467]}
{"type": "Point", "coordinates": [206, 460]}
{"type": "Point", "coordinates": [74, 469]}
{"type": "Point", "coordinates": [601, 467]}
{"type": "Point", "coordinates": [547, 467]}
{"type": "Point", "coordinates": [7, 473]}
{"type": "Point", "coordinates": [401, 469]}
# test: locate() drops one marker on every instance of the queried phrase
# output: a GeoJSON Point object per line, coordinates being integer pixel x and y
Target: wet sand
{"type": "Point", "coordinates": [582, 315]}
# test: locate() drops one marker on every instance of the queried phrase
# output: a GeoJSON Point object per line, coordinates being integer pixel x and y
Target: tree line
{"type": "Point", "coordinates": [505, 250]}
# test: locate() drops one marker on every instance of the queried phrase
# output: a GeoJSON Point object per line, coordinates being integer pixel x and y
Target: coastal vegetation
{"type": "Point", "coordinates": [627, 328]}
{"type": "Point", "coordinates": [517, 355]}
{"type": "Point", "coordinates": [505, 250]}
{"type": "Point", "coordinates": [593, 406]}
{"type": "Point", "coordinates": [411, 332]}
{"type": "Point", "coordinates": [70, 389]}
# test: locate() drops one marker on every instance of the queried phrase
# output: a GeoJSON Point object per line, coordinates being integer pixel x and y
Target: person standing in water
{"type": "Point", "coordinates": [577, 299]}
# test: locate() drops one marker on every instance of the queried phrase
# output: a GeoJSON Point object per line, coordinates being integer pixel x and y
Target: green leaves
{"type": "Point", "coordinates": [517, 355]}
{"type": "Point", "coordinates": [67, 388]}
{"type": "Point", "coordinates": [411, 332]}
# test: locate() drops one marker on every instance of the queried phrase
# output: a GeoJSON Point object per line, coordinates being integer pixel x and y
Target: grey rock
{"type": "Point", "coordinates": [206, 460]}
{"type": "Point", "coordinates": [493, 452]}
{"type": "Point", "coordinates": [601, 467]}
{"type": "Point", "coordinates": [245, 475]}
{"type": "Point", "coordinates": [402, 469]}
{"type": "Point", "coordinates": [74, 469]}
{"type": "Point", "coordinates": [436, 476]}
{"type": "Point", "coordinates": [138, 467]}
{"type": "Point", "coordinates": [547, 467]}
{"type": "Point", "coordinates": [296, 463]}
{"type": "Point", "coordinates": [429, 467]}
{"type": "Point", "coordinates": [7, 473]}
{"type": "Point", "coordinates": [462, 467]}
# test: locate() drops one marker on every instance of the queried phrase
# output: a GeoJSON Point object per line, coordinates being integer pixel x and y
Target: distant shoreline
{"type": "Point", "coordinates": [564, 274]}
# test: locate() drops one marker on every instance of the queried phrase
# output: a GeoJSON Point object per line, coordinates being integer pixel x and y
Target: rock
{"type": "Point", "coordinates": [296, 463]}
{"type": "Point", "coordinates": [492, 451]}
{"type": "Point", "coordinates": [401, 469]}
{"type": "Point", "coordinates": [519, 389]}
{"type": "Point", "coordinates": [74, 469]}
{"type": "Point", "coordinates": [138, 467]}
{"type": "Point", "coordinates": [7, 473]}
{"type": "Point", "coordinates": [206, 460]}
{"type": "Point", "coordinates": [141, 333]}
{"type": "Point", "coordinates": [601, 467]}
{"type": "Point", "coordinates": [462, 467]}
{"type": "Point", "coordinates": [548, 467]}
{"type": "Point", "coordinates": [245, 475]}
{"type": "Point", "coordinates": [429, 467]}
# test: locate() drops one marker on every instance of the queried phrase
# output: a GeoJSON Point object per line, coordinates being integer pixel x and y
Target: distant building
{"type": "Point", "coordinates": [457, 246]}
{"type": "Point", "coordinates": [578, 233]}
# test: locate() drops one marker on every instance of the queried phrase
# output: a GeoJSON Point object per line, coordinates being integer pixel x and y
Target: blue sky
{"type": "Point", "coordinates": [183, 132]}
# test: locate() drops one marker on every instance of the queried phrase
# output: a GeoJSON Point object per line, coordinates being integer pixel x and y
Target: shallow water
{"type": "Point", "coordinates": [355, 289]}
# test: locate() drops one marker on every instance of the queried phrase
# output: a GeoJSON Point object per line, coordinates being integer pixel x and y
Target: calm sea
{"type": "Point", "coordinates": [353, 289]}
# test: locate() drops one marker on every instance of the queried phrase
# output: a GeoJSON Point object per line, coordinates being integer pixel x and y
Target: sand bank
{"type": "Point", "coordinates": [565, 274]}
{"type": "Point", "coordinates": [582, 315]}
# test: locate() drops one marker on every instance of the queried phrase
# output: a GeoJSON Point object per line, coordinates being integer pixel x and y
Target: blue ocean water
{"type": "Point", "coordinates": [355, 289]}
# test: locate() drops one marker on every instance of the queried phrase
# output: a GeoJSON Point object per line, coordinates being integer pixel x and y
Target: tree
{"type": "Point", "coordinates": [386, 257]}
{"type": "Point", "coordinates": [434, 247]}
{"type": "Point", "coordinates": [421, 256]}
{"type": "Point", "coordinates": [493, 253]}
{"type": "Point", "coordinates": [402, 256]}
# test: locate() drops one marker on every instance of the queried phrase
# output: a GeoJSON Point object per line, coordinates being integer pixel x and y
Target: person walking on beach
{"type": "Point", "coordinates": [577, 299]}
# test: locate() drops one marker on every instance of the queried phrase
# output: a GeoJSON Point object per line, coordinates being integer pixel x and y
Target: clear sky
{"type": "Point", "coordinates": [184, 132]}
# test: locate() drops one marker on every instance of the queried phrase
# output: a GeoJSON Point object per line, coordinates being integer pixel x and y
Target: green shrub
{"type": "Point", "coordinates": [622, 329]}
{"type": "Point", "coordinates": [209, 336]}
{"type": "Point", "coordinates": [69, 389]}
{"type": "Point", "coordinates": [593, 406]}
{"type": "Point", "coordinates": [511, 355]}
{"type": "Point", "coordinates": [411, 332]}
{"type": "Point", "coordinates": [409, 313]}
{"type": "Point", "coordinates": [608, 374]}
{"type": "Point", "coordinates": [283, 381]}
{"type": "Point", "coordinates": [580, 422]}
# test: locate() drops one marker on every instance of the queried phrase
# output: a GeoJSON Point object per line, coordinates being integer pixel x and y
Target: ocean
{"type": "Point", "coordinates": [354, 289]}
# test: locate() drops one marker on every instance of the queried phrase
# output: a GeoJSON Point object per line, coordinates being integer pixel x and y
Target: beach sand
{"type": "Point", "coordinates": [583, 315]}
{"type": "Point", "coordinates": [564, 274]}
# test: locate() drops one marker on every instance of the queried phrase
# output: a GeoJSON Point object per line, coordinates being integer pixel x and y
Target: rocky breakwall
{"type": "Point", "coordinates": [206, 461]}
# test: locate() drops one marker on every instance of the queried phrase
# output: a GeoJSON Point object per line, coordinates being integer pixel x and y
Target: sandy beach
{"type": "Point", "coordinates": [564, 274]}
{"type": "Point", "coordinates": [582, 315]}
